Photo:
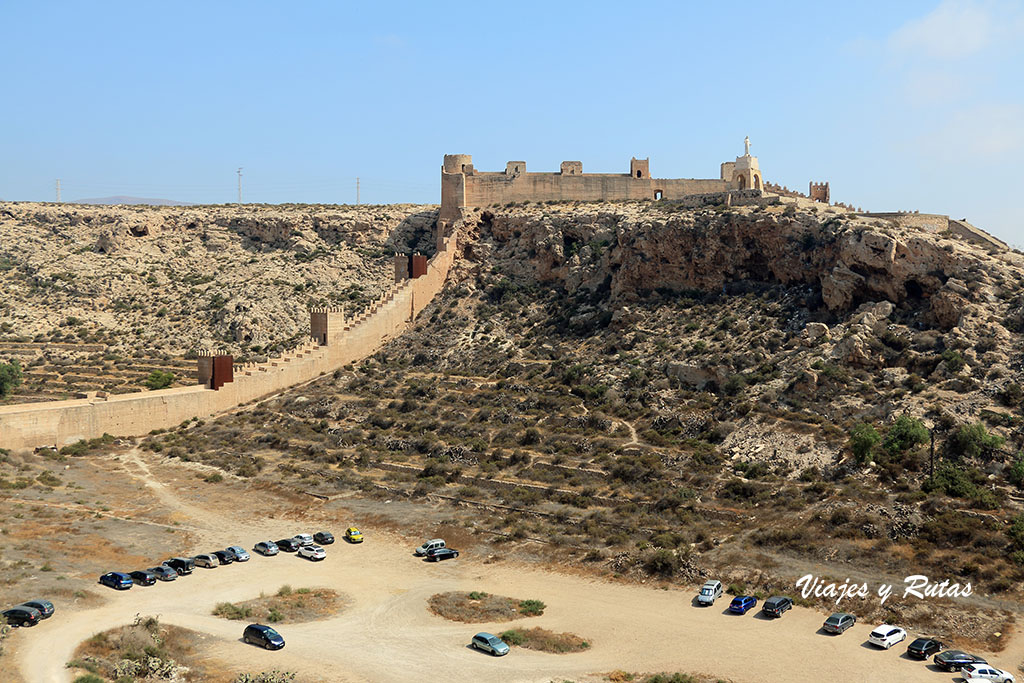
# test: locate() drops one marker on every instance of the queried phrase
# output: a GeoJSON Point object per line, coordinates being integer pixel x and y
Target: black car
{"type": "Point", "coordinates": [44, 607]}
{"type": "Point", "coordinates": [22, 616]}
{"type": "Point", "coordinates": [163, 572]}
{"type": "Point", "coordinates": [438, 554]}
{"type": "Point", "coordinates": [923, 648]}
{"type": "Point", "coordinates": [264, 636]}
{"type": "Point", "coordinates": [118, 580]}
{"type": "Point", "coordinates": [141, 577]}
{"type": "Point", "coordinates": [288, 545]}
{"type": "Point", "coordinates": [323, 537]}
{"type": "Point", "coordinates": [224, 556]}
{"type": "Point", "coordinates": [776, 606]}
{"type": "Point", "coordinates": [181, 565]}
{"type": "Point", "coordinates": [954, 660]}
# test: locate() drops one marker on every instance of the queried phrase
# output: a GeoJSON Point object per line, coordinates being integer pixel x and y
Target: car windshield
{"type": "Point", "coordinates": [271, 633]}
{"type": "Point", "coordinates": [833, 620]}
{"type": "Point", "coordinates": [705, 591]}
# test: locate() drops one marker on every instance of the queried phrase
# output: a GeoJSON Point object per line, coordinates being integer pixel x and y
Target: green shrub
{"type": "Point", "coordinates": [905, 433]}
{"type": "Point", "coordinates": [10, 377]}
{"type": "Point", "coordinates": [973, 440]}
{"type": "Point", "coordinates": [513, 637]}
{"type": "Point", "coordinates": [1015, 474]}
{"type": "Point", "coordinates": [863, 438]}
{"type": "Point", "coordinates": [229, 610]}
{"type": "Point", "coordinates": [531, 608]}
{"type": "Point", "coordinates": [89, 678]}
{"type": "Point", "coordinates": [158, 379]}
{"type": "Point", "coordinates": [662, 561]}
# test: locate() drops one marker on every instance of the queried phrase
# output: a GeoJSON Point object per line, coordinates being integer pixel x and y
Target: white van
{"type": "Point", "coordinates": [709, 592]}
{"type": "Point", "coordinates": [432, 544]}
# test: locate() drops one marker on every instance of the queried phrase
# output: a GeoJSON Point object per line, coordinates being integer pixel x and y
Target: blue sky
{"type": "Point", "coordinates": [910, 105]}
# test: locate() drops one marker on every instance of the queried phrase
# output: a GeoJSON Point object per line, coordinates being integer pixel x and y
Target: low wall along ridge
{"type": "Point", "coordinates": [335, 342]}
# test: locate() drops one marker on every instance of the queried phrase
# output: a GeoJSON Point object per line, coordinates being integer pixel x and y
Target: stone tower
{"type": "Point", "coordinates": [744, 173]}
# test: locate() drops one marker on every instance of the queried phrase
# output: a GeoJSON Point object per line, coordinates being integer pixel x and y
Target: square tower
{"type": "Point", "coordinates": [640, 168]}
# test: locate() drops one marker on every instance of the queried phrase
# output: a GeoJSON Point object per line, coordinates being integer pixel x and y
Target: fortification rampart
{"type": "Point", "coordinates": [336, 341]}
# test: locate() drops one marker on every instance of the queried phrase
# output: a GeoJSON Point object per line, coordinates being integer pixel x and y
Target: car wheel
{"type": "Point", "coordinates": [268, 645]}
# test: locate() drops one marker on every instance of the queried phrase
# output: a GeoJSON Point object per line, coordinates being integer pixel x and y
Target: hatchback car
{"type": "Point", "coordinates": [438, 554]}
{"type": "Point", "coordinates": [206, 560]}
{"type": "Point", "coordinates": [264, 636]}
{"type": "Point", "coordinates": [838, 623]}
{"type": "Point", "coordinates": [117, 580]}
{"type": "Point", "coordinates": [224, 556]}
{"type": "Point", "coordinates": [163, 572]}
{"type": "Point", "coordinates": [312, 552]}
{"type": "Point", "coordinates": [487, 642]}
{"type": "Point", "coordinates": [141, 577]}
{"type": "Point", "coordinates": [22, 616]}
{"type": "Point", "coordinates": [923, 648]}
{"type": "Point", "coordinates": [985, 672]}
{"type": "Point", "coordinates": [353, 535]}
{"type": "Point", "coordinates": [239, 552]}
{"type": "Point", "coordinates": [288, 545]}
{"type": "Point", "coordinates": [303, 539]}
{"type": "Point", "coordinates": [885, 636]}
{"type": "Point", "coordinates": [954, 660]}
{"type": "Point", "coordinates": [267, 548]}
{"type": "Point", "coordinates": [777, 605]}
{"type": "Point", "coordinates": [741, 603]}
{"type": "Point", "coordinates": [44, 607]}
{"type": "Point", "coordinates": [323, 537]}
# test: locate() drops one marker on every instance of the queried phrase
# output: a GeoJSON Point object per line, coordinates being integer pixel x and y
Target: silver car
{"type": "Point", "coordinates": [208, 561]}
{"type": "Point", "coordinates": [266, 548]}
{"type": "Point", "coordinates": [240, 553]}
{"type": "Point", "coordinates": [488, 642]}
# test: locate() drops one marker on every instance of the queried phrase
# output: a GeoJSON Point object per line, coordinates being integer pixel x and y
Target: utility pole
{"type": "Point", "coordinates": [357, 190]}
{"type": "Point", "coordinates": [239, 185]}
{"type": "Point", "coordinates": [58, 190]}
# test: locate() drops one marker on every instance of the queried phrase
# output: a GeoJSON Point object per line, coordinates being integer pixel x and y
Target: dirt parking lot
{"type": "Point", "coordinates": [387, 632]}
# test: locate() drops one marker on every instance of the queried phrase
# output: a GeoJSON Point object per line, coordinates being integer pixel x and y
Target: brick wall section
{"type": "Point", "coordinates": [58, 423]}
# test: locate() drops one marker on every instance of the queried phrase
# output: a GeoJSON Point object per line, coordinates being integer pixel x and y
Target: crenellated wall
{"type": "Point", "coordinates": [335, 343]}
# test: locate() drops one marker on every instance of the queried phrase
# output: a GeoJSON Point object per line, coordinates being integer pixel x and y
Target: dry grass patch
{"type": "Point", "coordinates": [476, 606]}
{"type": "Point", "coordinates": [544, 640]}
{"type": "Point", "coordinates": [287, 606]}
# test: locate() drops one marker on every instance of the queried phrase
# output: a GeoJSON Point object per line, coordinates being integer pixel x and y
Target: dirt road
{"type": "Point", "coordinates": [387, 634]}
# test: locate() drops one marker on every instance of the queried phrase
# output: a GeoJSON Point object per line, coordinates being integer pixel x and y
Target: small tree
{"type": "Point", "coordinates": [158, 379]}
{"type": "Point", "coordinates": [1015, 475]}
{"type": "Point", "coordinates": [973, 440]}
{"type": "Point", "coordinates": [863, 438]}
{"type": "Point", "coordinates": [905, 433]}
{"type": "Point", "coordinates": [10, 377]}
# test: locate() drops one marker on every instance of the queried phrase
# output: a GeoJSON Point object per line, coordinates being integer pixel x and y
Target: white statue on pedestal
{"type": "Point", "coordinates": [746, 146]}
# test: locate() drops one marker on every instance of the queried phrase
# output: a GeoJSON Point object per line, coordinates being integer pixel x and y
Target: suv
{"type": "Point", "coordinates": [777, 605]}
{"type": "Point", "coordinates": [22, 616]}
{"type": "Point", "coordinates": [742, 603]}
{"type": "Point", "coordinates": [838, 623]}
{"type": "Point", "coordinates": [224, 556]}
{"type": "Point", "coordinates": [264, 636]}
{"type": "Point", "coordinates": [711, 591]}
{"type": "Point", "coordinates": [182, 565]}
{"type": "Point", "coordinates": [44, 607]}
{"type": "Point", "coordinates": [266, 548]}
{"type": "Point", "coordinates": [427, 546]}
{"type": "Point", "coordinates": [121, 582]}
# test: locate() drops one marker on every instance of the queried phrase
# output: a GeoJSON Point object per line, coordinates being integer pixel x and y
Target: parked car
{"type": "Point", "coordinates": [839, 622]}
{"type": "Point", "coordinates": [224, 556]}
{"type": "Point", "coordinates": [206, 560]}
{"type": "Point", "coordinates": [353, 535]}
{"type": "Point", "coordinates": [239, 552]}
{"type": "Point", "coordinates": [438, 554]}
{"type": "Point", "coordinates": [163, 572]}
{"type": "Point", "coordinates": [954, 660]}
{"type": "Point", "coordinates": [432, 544]}
{"type": "Point", "coordinates": [140, 577]}
{"type": "Point", "coordinates": [264, 636]}
{"type": "Point", "coordinates": [777, 605]}
{"type": "Point", "coordinates": [487, 642]}
{"type": "Point", "coordinates": [266, 548]}
{"type": "Point", "coordinates": [312, 552]}
{"type": "Point", "coordinates": [923, 648]}
{"type": "Point", "coordinates": [22, 616]}
{"type": "Point", "coordinates": [288, 545]}
{"type": "Point", "coordinates": [741, 603]}
{"type": "Point", "coordinates": [709, 592]}
{"type": "Point", "coordinates": [44, 607]}
{"type": "Point", "coordinates": [323, 537]}
{"type": "Point", "coordinates": [885, 636]}
{"type": "Point", "coordinates": [985, 672]}
{"type": "Point", "coordinates": [117, 580]}
{"type": "Point", "coordinates": [182, 565]}
{"type": "Point", "coordinates": [303, 539]}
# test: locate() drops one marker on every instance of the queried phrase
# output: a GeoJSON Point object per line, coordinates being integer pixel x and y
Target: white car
{"type": "Point", "coordinates": [985, 672]}
{"type": "Point", "coordinates": [312, 552]}
{"type": "Point", "coordinates": [303, 539]}
{"type": "Point", "coordinates": [886, 636]}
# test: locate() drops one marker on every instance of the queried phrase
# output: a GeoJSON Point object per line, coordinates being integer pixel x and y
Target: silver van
{"type": "Point", "coordinates": [709, 592]}
{"type": "Point", "coordinates": [432, 544]}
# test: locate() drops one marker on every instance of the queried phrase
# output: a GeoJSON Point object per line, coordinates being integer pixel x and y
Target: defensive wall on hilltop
{"type": "Point", "coordinates": [334, 342]}
{"type": "Point", "coordinates": [935, 222]}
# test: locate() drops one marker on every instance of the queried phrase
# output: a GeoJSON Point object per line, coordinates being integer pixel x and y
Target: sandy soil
{"type": "Point", "coordinates": [388, 634]}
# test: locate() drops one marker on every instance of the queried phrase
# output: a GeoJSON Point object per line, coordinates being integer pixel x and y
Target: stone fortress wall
{"type": "Point", "coordinates": [335, 341]}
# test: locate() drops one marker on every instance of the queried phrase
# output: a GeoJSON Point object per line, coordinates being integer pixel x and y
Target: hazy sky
{"type": "Point", "coordinates": [909, 105]}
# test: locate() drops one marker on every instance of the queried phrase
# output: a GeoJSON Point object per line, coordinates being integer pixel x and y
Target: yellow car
{"type": "Point", "coordinates": [353, 535]}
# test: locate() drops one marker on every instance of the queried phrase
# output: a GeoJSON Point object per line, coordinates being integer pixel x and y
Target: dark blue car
{"type": "Point", "coordinates": [118, 580]}
{"type": "Point", "coordinates": [742, 603]}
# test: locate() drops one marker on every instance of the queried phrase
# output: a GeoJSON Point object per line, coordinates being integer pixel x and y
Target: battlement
{"type": "Point", "coordinates": [819, 192]}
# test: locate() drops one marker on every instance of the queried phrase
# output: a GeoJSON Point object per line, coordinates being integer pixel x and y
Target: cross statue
{"type": "Point", "coordinates": [746, 146]}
